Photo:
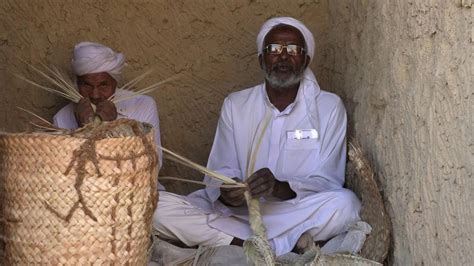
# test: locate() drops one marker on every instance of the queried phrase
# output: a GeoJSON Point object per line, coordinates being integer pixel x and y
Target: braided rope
{"type": "Point", "coordinates": [257, 248]}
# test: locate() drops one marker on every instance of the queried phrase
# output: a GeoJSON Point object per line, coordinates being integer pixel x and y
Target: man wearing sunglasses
{"type": "Point", "coordinates": [286, 139]}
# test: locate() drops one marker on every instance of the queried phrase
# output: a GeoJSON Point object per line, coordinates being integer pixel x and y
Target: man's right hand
{"type": "Point", "coordinates": [233, 196]}
{"type": "Point", "coordinates": [84, 112]}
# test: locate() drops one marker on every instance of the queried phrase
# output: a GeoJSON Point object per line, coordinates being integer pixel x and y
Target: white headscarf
{"type": "Point", "coordinates": [269, 24]}
{"type": "Point", "coordinates": [92, 57]}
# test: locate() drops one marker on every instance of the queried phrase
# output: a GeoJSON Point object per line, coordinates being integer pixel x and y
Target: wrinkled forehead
{"type": "Point", "coordinates": [284, 30]}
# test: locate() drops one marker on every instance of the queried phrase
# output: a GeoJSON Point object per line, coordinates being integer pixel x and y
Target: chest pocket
{"type": "Point", "coordinates": [301, 144]}
{"type": "Point", "coordinates": [299, 157]}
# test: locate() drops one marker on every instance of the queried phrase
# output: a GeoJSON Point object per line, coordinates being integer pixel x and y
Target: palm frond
{"type": "Point", "coordinates": [64, 88]}
{"type": "Point", "coordinates": [47, 125]}
{"type": "Point", "coordinates": [44, 127]}
{"type": "Point", "coordinates": [145, 90]}
{"type": "Point", "coordinates": [186, 162]}
{"type": "Point", "coordinates": [37, 116]}
{"type": "Point", "coordinates": [129, 85]}
{"type": "Point", "coordinates": [55, 91]}
{"type": "Point", "coordinates": [62, 78]}
{"type": "Point", "coordinates": [192, 181]}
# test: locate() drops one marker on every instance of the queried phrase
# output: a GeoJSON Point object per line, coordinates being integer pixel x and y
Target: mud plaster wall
{"type": "Point", "coordinates": [404, 69]}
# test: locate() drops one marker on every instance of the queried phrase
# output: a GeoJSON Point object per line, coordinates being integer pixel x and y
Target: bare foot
{"type": "Point", "coordinates": [305, 243]}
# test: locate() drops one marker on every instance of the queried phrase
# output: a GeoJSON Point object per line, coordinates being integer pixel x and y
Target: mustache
{"type": "Point", "coordinates": [276, 66]}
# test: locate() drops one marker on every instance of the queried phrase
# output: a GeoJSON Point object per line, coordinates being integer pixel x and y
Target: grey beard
{"type": "Point", "coordinates": [281, 84]}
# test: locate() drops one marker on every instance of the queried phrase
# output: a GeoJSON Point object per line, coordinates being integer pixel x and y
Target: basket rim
{"type": "Point", "coordinates": [70, 133]}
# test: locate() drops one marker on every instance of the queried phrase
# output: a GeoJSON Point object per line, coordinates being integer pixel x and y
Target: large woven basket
{"type": "Point", "coordinates": [361, 178]}
{"type": "Point", "coordinates": [78, 200]}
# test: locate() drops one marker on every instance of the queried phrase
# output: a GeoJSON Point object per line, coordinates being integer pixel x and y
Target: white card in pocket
{"type": "Point", "coordinates": [302, 134]}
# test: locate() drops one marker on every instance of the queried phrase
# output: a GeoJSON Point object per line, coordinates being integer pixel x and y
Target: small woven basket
{"type": "Point", "coordinates": [79, 199]}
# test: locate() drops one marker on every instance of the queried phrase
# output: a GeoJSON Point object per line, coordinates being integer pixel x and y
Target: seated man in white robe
{"type": "Point", "coordinates": [98, 69]}
{"type": "Point", "coordinates": [286, 139]}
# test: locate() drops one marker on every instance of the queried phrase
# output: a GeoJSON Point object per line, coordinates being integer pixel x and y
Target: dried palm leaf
{"type": "Point", "coordinates": [48, 89]}
{"type": "Point", "coordinates": [145, 90]}
{"type": "Point", "coordinates": [46, 125]}
{"type": "Point", "coordinates": [193, 181]}
{"type": "Point", "coordinates": [186, 162]}
{"type": "Point", "coordinates": [130, 85]}
{"type": "Point", "coordinates": [257, 248]}
{"type": "Point", "coordinates": [63, 89]}
{"type": "Point", "coordinates": [66, 89]}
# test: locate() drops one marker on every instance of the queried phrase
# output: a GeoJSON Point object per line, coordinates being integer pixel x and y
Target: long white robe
{"type": "Point", "coordinates": [141, 108]}
{"type": "Point", "coordinates": [314, 167]}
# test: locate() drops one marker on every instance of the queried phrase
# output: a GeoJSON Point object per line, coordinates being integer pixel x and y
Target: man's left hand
{"type": "Point", "coordinates": [106, 110]}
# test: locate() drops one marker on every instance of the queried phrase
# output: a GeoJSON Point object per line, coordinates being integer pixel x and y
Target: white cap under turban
{"type": "Point", "coordinates": [92, 58]}
{"type": "Point", "coordinates": [269, 24]}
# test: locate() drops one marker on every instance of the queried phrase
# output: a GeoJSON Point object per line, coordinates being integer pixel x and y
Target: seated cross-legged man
{"type": "Point", "coordinates": [286, 139]}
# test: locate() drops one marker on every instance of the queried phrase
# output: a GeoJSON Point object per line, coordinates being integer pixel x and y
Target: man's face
{"type": "Point", "coordinates": [284, 70]}
{"type": "Point", "coordinates": [97, 87]}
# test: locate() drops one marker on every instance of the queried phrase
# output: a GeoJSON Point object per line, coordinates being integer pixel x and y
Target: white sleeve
{"type": "Point", "coordinates": [223, 156]}
{"type": "Point", "coordinates": [65, 118]}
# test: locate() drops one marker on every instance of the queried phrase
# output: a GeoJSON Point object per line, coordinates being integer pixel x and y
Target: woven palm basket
{"type": "Point", "coordinates": [83, 198]}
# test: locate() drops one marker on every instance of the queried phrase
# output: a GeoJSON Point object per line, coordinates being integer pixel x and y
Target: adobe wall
{"type": "Point", "coordinates": [404, 69]}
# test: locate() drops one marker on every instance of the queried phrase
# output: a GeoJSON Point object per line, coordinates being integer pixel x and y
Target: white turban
{"type": "Point", "coordinates": [269, 24]}
{"type": "Point", "coordinates": [92, 57]}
